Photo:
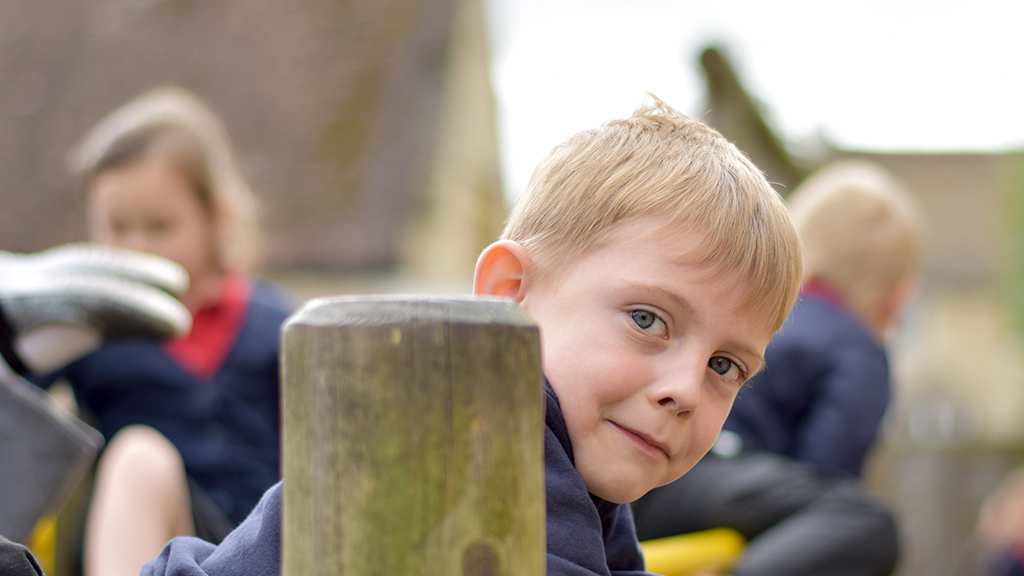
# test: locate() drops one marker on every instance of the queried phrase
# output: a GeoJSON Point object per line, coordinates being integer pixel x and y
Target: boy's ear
{"type": "Point", "coordinates": [501, 271]}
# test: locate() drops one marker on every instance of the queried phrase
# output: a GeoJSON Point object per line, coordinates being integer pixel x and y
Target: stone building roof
{"type": "Point", "coordinates": [334, 109]}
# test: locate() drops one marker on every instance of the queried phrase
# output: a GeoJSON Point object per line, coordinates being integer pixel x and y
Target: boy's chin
{"type": "Point", "coordinates": [632, 492]}
{"type": "Point", "coordinates": [622, 494]}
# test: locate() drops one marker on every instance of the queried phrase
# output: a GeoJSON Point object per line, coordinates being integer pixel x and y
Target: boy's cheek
{"type": "Point", "coordinates": [703, 440]}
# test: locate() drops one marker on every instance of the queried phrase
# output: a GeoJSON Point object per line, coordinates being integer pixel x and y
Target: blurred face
{"type": "Point", "coordinates": [646, 352]}
{"type": "Point", "coordinates": [151, 206]}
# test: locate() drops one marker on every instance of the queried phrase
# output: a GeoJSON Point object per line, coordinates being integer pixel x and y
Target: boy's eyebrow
{"type": "Point", "coordinates": [659, 292]}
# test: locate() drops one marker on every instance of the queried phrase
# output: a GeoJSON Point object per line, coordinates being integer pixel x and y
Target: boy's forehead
{"type": "Point", "coordinates": [676, 244]}
{"type": "Point", "coordinates": [682, 245]}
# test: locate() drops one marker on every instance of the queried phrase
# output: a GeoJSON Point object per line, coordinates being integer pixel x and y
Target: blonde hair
{"type": "Point", "coordinates": [860, 230]}
{"type": "Point", "coordinates": [660, 162]}
{"type": "Point", "coordinates": [174, 123]}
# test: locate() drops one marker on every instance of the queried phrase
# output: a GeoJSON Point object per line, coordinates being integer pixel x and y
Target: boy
{"type": "Point", "coordinates": [657, 263]}
{"type": "Point", "coordinates": [805, 425]}
{"type": "Point", "coordinates": [829, 384]}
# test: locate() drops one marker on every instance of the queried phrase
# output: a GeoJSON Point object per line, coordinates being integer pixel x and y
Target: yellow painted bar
{"type": "Point", "coordinates": [715, 550]}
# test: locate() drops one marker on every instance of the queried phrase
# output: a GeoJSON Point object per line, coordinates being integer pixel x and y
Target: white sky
{"type": "Point", "coordinates": [896, 75]}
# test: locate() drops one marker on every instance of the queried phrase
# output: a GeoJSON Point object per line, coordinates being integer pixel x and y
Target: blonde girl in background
{"type": "Point", "coordinates": [192, 425]}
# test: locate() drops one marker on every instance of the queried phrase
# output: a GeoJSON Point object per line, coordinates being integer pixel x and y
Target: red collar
{"type": "Point", "coordinates": [815, 288]}
{"type": "Point", "coordinates": [214, 330]}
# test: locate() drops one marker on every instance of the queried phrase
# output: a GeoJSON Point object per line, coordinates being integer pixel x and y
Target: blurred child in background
{"type": "Point", "coordinates": [822, 398]}
{"type": "Point", "coordinates": [192, 425]}
{"type": "Point", "coordinates": [785, 470]}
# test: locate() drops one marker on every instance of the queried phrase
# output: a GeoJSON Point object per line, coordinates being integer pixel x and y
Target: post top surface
{"type": "Point", "coordinates": [384, 310]}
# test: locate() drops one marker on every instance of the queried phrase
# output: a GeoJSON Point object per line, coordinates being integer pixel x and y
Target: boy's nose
{"type": "Point", "coordinates": [680, 389]}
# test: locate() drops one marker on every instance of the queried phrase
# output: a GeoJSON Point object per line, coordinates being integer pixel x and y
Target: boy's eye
{"type": "Point", "coordinates": [649, 322]}
{"type": "Point", "coordinates": [725, 367]}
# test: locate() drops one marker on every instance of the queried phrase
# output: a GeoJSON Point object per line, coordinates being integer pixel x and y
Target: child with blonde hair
{"type": "Point", "coordinates": [191, 425]}
{"type": "Point", "coordinates": [785, 470]}
{"type": "Point", "coordinates": [823, 398]}
{"type": "Point", "coordinates": [657, 262]}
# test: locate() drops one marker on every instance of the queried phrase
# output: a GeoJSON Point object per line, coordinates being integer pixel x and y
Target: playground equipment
{"type": "Point", "coordinates": [43, 454]}
{"type": "Point", "coordinates": [716, 551]}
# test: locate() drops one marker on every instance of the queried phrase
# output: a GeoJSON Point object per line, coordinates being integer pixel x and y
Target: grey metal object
{"type": "Point", "coordinates": [43, 454]}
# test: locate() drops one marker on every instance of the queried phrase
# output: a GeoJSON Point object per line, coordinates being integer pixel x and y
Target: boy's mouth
{"type": "Point", "coordinates": [645, 443]}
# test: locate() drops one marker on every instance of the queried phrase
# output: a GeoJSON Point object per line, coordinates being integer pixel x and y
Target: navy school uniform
{"type": "Point", "coordinates": [586, 535]}
{"type": "Point", "coordinates": [225, 425]}
{"type": "Point", "coordinates": [823, 393]}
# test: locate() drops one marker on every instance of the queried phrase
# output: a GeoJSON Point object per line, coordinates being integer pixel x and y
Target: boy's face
{"type": "Point", "coordinates": [646, 351]}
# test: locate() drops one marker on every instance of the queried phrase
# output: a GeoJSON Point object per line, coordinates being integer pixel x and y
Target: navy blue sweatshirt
{"type": "Point", "coordinates": [585, 535]}
{"type": "Point", "coordinates": [227, 428]}
{"type": "Point", "coordinates": [823, 393]}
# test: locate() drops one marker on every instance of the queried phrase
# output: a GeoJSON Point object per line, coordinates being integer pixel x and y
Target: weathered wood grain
{"type": "Point", "coordinates": [413, 438]}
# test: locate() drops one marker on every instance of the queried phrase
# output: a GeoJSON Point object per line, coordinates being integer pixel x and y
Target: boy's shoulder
{"type": "Point", "coordinates": [252, 549]}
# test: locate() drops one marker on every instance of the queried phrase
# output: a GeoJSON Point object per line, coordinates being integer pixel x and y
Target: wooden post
{"type": "Point", "coordinates": [413, 439]}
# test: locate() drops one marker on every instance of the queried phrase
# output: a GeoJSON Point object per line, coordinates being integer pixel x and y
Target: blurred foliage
{"type": "Point", "coordinates": [1013, 239]}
